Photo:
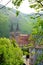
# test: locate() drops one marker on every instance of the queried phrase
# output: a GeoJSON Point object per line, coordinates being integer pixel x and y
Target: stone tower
{"type": "Point", "coordinates": [12, 31]}
{"type": "Point", "coordinates": [17, 31]}
{"type": "Point", "coordinates": [17, 28]}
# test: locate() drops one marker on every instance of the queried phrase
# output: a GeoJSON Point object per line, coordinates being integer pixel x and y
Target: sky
{"type": "Point", "coordinates": [24, 8]}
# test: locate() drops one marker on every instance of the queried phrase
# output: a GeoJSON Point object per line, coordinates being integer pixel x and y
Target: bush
{"type": "Point", "coordinates": [25, 51]}
{"type": "Point", "coordinates": [9, 55]}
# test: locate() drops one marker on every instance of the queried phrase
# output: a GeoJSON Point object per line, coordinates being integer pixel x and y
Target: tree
{"type": "Point", "coordinates": [37, 32]}
{"type": "Point", "coordinates": [17, 2]}
{"type": "Point", "coordinates": [4, 25]}
{"type": "Point", "coordinates": [36, 4]}
{"type": "Point", "coordinates": [9, 55]}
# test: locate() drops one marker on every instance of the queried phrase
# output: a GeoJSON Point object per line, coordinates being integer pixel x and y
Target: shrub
{"type": "Point", "coordinates": [9, 55]}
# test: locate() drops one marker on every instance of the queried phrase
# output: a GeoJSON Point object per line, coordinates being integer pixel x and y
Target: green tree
{"type": "Point", "coordinates": [17, 2]}
{"type": "Point", "coordinates": [38, 31]}
{"type": "Point", "coordinates": [4, 25]}
{"type": "Point", "coordinates": [36, 4]}
{"type": "Point", "coordinates": [9, 55]}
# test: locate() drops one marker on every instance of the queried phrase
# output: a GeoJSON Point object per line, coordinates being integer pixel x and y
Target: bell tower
{"type": "Point", "coordinates": [17, 28]}
{"type": "Point", "coordinates": [11, 28]}
{"type": "Point", "coordinates": [11, 31]}
{"type": "Point", "coordinates": [17, 32]}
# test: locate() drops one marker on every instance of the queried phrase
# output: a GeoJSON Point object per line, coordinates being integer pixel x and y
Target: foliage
{"type": "Point", "coordinates": [17, 13]}
{"type": "Point", "coordinates": [17, 2]}
{"type": "Point", "coordinates": [25, 50]}
{"type": "Point", "coordinates": [9, 55]}
{"type": "Point", "coordinates": [39, 59]}
{"type": "Point", "coordinates": [13, 41]}
{"type": "Point", "coordinates": [37, 32]}
{"type": "Point", "coordinates": [36, 4]}
{"type": "Point", "coordinates": [4, 25]}
{"type": "Point", "coordinates": [30, 45]}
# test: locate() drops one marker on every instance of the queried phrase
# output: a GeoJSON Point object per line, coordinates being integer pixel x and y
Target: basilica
{"type": "Point", "coordinates": [21, 39]}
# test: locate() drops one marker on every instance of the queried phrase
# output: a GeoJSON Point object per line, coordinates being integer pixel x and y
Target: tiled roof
{"type": "Point", "coordinates": [22, 39]}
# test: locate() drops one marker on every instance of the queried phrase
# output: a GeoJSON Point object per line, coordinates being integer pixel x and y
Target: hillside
{"type": "Point", "coordinates": [25, 22]}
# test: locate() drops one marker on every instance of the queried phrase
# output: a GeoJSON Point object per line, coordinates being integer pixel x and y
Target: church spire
{"type": "Point", "coordinates": [17, 28]}
{"type": "Point", "coordinates": [11, 29]}
{"type": "Point", "coordinates": [17, 32]}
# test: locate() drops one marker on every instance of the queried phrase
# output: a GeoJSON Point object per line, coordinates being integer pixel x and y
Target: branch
{"type": "Point", "coordinates": [40, 3]}
{"type": "Point", "coordinates": [6, 4]}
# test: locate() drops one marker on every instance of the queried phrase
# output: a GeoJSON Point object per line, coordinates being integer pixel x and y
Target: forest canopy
{"type": "Point", "coordinates": [4, 25]}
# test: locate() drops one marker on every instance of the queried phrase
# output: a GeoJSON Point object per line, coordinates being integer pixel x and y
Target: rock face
{"type": "Point", "coordinates": [34, 53]}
